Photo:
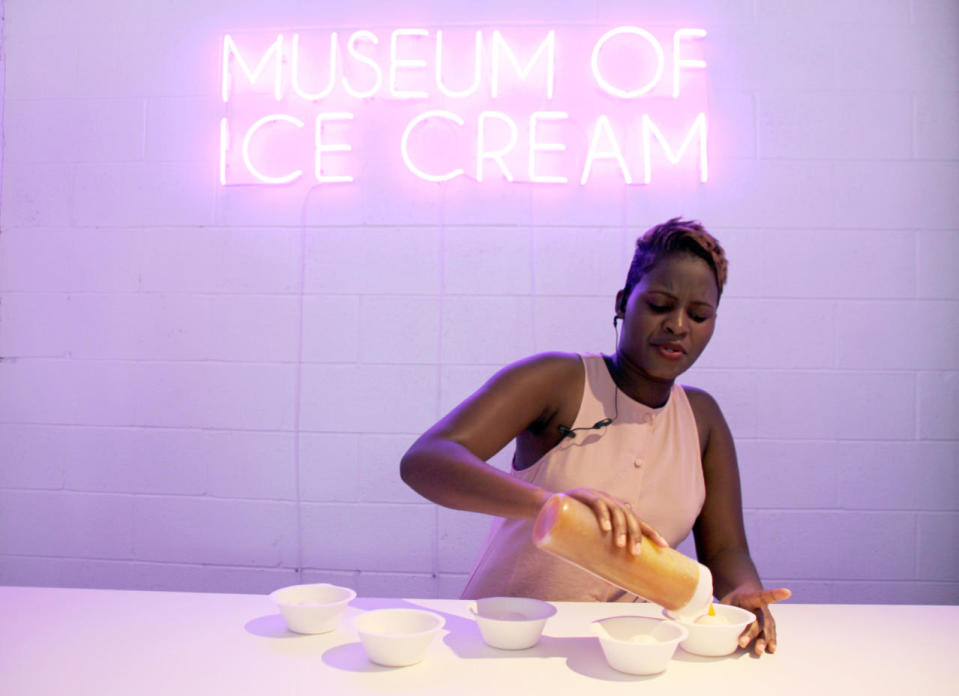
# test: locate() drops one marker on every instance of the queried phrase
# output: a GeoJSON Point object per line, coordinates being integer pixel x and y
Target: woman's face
{"type": "Point", "coordinates": [670, 316]}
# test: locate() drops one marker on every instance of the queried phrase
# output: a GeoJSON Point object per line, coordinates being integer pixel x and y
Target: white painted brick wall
{"type": "Point", "coordinates": [138, 575]}
{"type": "Point", "coordinates": [499, 204]}
{"type": "Point", "coordinates": [40, 195]}
{"type": "Point", "coordinates": [766, 333]}
{"type": "Point", "coordinates": [557, 323]}
{"type": "Point", "coordinates": [486, 330]}
{"type": "Point", "coordinates": [859, 127]}
{"type": "Point", "coordinates": [368, 398]}
{"type": "Point", "coordinates": [98, 130]}
{"type": "Point", "coordinates": [142, 193]}
{"type": "Point", "coordinates": [461, 537]}
{"type": "Point", "coordinates": [329, 467]}
{"type": "Point", "coordinates": [937, 125]}
{"type": "Point", "coordinates": [173, 394]}
{"type": "Point", "coordinates": [938, 553]}
{"type": "Point", "coordinates": [870, 337]}
{"type": "Point", "coordinates": [155, 326]}
{"type": "Point", "coordinates": [872, 476]}
{"type": "Point", "coordinates": [938, 398]}
{"type": "Point", "coordinates": [936, 279]}
{"type": "Point", "coordinates": [846, 264]}
{"type": "Point", "coordinates": [486, 261]}
{"type": "Point", "coordinates": [895, 195]}
{"type": "Point", "coordinates": [240, 260]}
{"type": "Point", "coordinates": [379, 537]}
{"type": "Point", "coordinates": [803, 404]}
{"type": "Point", "coordinates": [400, 261]}
{"type": "Point", "coordinates": [809, 467]}
{"type": "Point", "coordinates": [79, 525]}
{"type": "Point", "coordinates": [209, 389]}
{"type": "Point", "coordinates": [385, 322]}
{"type": "Point", "coordinates": [571, 261]}
{"type": "Point", "coordinates": [825, 545]}
{"type": "Point", "coordinates": [33, 457]}
{"type": "Point", "coordinates": [186, 529]}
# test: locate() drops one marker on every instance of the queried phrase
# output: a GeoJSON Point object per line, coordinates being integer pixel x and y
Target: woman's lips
{"type": "Point", "coordinates": [670, 351]}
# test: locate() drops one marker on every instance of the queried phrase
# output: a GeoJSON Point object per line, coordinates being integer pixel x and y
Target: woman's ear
{"type": "Point", "coordinates": [620, 307]}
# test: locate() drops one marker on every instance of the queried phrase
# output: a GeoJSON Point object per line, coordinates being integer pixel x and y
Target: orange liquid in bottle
{"type": "Point", "coordinates": [569, 529]}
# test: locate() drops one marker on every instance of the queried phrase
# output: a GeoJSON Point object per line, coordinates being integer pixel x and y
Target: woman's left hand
{"type": "Point", "coordinates": [763, 629]}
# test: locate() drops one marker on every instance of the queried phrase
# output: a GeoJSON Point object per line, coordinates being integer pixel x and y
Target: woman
{"type": "Point", "coordinates": [615, 432]}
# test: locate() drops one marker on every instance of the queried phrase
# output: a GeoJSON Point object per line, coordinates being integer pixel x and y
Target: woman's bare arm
{"type": "Point", "coordinates": [720, 533]}
{"type": "Point", "coordinates": [447, 464]}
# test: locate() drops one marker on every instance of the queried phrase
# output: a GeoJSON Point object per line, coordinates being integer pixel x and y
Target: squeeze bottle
{"type": "Point", "coordinates": [569, 529]}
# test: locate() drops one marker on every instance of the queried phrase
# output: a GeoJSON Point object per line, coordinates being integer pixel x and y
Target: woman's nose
{"type": "Point", "coordinates": [674, 323]}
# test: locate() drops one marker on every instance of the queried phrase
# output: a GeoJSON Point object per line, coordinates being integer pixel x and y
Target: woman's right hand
{"type": "Point", "coordinates": [617, 517]}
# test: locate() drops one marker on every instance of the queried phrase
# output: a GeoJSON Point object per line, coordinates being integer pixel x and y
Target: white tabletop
{"type": "Point", "coordinates": [103, 642]}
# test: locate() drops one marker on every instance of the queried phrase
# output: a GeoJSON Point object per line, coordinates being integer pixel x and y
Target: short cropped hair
{"type": "Point", "coordinates": [675, 236]}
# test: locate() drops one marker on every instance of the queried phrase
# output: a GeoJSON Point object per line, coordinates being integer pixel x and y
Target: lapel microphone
{"type": "Point", "coordinates": [570, 432]}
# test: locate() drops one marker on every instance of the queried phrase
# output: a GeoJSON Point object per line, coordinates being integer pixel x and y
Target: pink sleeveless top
{"type": "Point", "coordinates": [648, 457]}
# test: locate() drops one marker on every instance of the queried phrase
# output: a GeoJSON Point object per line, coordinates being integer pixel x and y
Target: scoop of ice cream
{"type": "Point", "coordinates": [715, 619]}
{"type": "Point", "coordinates": [507, 616]}
{"type": "Point", "coordinates": [642, 638]}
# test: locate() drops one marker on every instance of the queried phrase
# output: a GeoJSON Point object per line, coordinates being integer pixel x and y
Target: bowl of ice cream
{"type": "Point", "coordinates": [638, 644]}
{"type": "Point", "coordinates": [511, 623]}
{"type": "Point", "coordinates": [397, 637]}
{"type": "Point", "coordinates": [716, 635]}
{"type": "Point", "coordinates": [315, 608]}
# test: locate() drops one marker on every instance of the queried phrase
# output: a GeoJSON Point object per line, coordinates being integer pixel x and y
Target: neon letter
{"type": "Point", "coordinates": [295, 67]}
{"type": "Point", "coordinates": [224, 146]}
{"type": "Point", "coordinates": [321, 148]}
{"type": "Point", "coordinates": [272, 118]}
{"type": "Point", "coordinates": [684, 63]}
{"type": "Point", "coordinates": [535, 147]}
{"type": "Point", "coordinates": [397, 63]}
{"type": "Point", "coordinates": [496, 155]}
{"type": "Point", "coordinates": [404, 145]}
{"type": "Point", "coordinates": [275, 50]}
{"type": "Point", "coordinates": [351, 47]}
{"type": "Point", "coordinates": [477, 57]}
{"type": "Point", "coordinates": [548, 45]}
{"type": "Point", "coordinates": [616, 91]}
{"type": "Point", "coordinates": [649, 128]}
{"type": "Point", "coordinates": [603, 128]}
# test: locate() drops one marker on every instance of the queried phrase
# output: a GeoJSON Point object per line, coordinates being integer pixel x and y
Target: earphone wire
{"type": "Point", "coordinates": [604, 422]}
{"type": "Point", "coordinates": [615, 386]}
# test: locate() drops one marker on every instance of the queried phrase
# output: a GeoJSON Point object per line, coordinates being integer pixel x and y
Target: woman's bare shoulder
{"type": "Point", "coordinates": [554, 363]}
{"type": "Point", "coordinates": [701, 401]}
{"type": "Point", "coordinates": [541, 369]}
{"type": "Point", "coordinates": [523, 395]}
{"type": "Point", "coordinates": [553, 381]}
{"type": "Point", "coordinates": [709, 417]}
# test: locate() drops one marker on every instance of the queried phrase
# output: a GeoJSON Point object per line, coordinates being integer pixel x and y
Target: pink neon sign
{"type": "Point", "coordinates": [534, 105]}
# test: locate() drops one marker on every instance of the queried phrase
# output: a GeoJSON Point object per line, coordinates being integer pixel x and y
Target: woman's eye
{"type": "Point", "coordinates": [698, 318]}
{"type": "Point", "coordinates": [659, 308]}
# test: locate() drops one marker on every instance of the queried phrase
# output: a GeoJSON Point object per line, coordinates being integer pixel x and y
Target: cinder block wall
{"type": "Point", "coordinates": [209, 388]}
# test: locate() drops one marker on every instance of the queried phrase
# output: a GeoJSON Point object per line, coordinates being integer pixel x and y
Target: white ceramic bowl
{"type": "Point", "coordinates": [397, 637]}
{"type": "Point", "coordinates": [511, 623]}
{"type": "Point", "coordinates": [312, 608]}
{"type": "Point", "coordinates": [719, 639]}
{"type": "Point", "coordinates": [638, 644]}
